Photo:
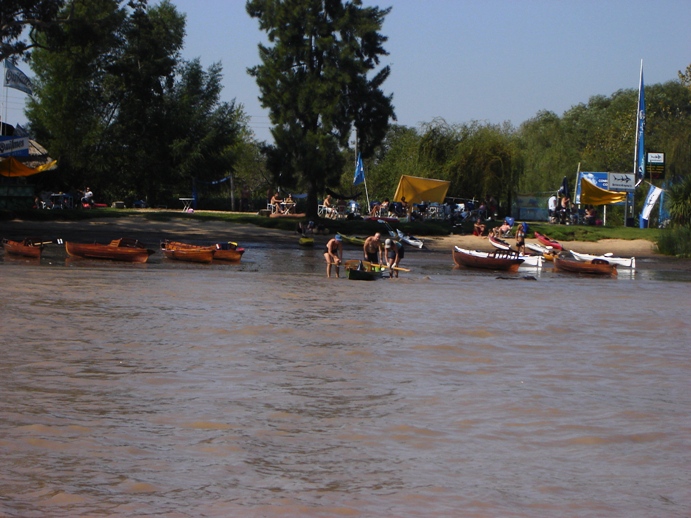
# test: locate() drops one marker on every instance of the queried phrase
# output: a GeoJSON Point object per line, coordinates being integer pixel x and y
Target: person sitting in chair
{"type": "Point", "coordinates": [479, 228]}
{"type": "Point", "coordinates": [329, 210]}
{"type": "Point", "coordinates": [276, 203]}
{"type": "Point", "coordinates": [502, 230]}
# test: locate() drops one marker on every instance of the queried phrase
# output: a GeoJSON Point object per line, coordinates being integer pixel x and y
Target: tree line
{"type": "Point", "coordinates": [120, 109]}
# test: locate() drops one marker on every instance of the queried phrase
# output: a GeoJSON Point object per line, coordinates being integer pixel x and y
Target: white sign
{"type": "Point", "coordinates": [621, 182]}
{"type": "Point", "coordinates": [656, 158]}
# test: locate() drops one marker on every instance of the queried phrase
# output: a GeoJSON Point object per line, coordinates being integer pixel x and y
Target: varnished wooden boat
{"type": "Point", "coordinates": [499, 260]}
{"type": "Point", "coordinates": [128, 250]}
{"type": "Point", "coordinates": [228, 251]}
{"type": "Point", "coordinates": [362, 270]}
{"type": "Point", "coordinates": [548, 241]}
{"type": "Point", "coordinates": [25, 248]}
{"type": "Point", "coordinates": [532, 261]}
{"type": "Point", "coordinates": [593, 267]}
{"type": "Point", "coordinates": [188, 252]}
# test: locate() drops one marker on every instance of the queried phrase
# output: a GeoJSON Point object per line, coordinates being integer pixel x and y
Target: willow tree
{"type": "Point", "coordinates": [314, 80]}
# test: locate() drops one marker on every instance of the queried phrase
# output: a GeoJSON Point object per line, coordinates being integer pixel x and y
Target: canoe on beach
{"type": "Point", "coordinates": [25, 248]}
{"type": "Point", "coordinates": [594, 267]}
{"type": "Point", "coordinates": [124, 249]}
{"type": "Point", "coordinates": [499, 260]}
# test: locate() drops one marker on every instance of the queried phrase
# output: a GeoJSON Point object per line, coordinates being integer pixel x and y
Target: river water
{"type": "Point", "coordinates": [265, 389]}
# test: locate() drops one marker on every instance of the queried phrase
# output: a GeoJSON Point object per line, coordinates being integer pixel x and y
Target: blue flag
{"type": "Point", "coordinates": [640, 131]}
{"type": "Point", "coordinates": [359, 171]}
{"type": "Point", "coordinates": [15, 78]}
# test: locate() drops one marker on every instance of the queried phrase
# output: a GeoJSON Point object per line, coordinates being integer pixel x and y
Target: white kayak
{"type": "Point", "coordinates": [625, 262]}
{"type": "Point", "coordinates": [410, 240]}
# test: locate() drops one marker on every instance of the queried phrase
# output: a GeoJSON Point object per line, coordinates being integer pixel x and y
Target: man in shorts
{"type": "Point", "coordinates": [372, 249]}
{"type": "Point", "coordinates": [334, 255]}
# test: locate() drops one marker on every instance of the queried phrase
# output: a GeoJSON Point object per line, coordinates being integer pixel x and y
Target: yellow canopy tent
{"type": "Point", "coordinates": [418, 190]}
{"type": "Point", "coordinates": [14, 168]}
{"type": "Point", "coordinates": [591, 194]}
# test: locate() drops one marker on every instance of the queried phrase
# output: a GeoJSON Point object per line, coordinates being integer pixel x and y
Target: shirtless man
{"type": "Point", "coordinates": [372, 249]}
{"type": "Point", "coordinates": [334, 255]}
{"type": "Point", "coordinates": [276, 203]}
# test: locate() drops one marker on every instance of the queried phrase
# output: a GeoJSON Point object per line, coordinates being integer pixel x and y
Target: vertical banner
{"type": "Point", "coordinates": [653, 195]}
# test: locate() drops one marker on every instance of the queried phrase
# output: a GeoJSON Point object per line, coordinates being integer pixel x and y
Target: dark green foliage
{"type": "Point", "coordinates": [16, 16]}
{"type": "Point", "coordinates": [314, 82]}
{"type": "Point", "coordinates": [121, 111]}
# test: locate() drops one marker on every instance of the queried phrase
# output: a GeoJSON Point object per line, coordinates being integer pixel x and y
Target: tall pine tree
{"type": "Point", "coordinates": [314, 82]}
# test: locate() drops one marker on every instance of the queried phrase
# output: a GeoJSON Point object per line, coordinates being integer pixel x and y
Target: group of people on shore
{"type": "Point", "coordinates": [388, 253]}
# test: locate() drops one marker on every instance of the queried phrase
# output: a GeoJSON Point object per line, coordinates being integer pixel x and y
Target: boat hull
{"type": "Point", "coordinates": [117, 250]}
{"type": "Point", "coordinates": [25, 248]}
{"type": "Point", "coordinates": [492, 261]}
{"type": "Point", "coordinates": [409, 240]}
{"type": "Point", "coordinates": [203, 256]}
{"type": "Point", "coordinates": [362, 270]}
{"type": "Point", "coordinates": [498, 243]}
{"type": "Point", "coordinates": [625, 262]}
{"type": "Point", "coordinates": [353, 240]}
{"type": "Point", "coordinates": [548, 241]}
{"type": "Point", "coordinates": [595, 267]}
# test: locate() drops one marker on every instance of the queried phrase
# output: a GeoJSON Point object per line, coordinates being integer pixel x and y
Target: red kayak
{"type": "Point", "coordinates": [548, 241]}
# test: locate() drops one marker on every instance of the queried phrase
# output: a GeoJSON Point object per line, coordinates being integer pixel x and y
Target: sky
{"type": "Point", "coordinates": [467, 60]}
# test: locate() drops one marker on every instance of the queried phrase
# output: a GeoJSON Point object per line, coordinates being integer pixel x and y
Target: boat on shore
{"type": "Point", "coordinates": [353, 240]}
{"type": "Point", "coordinates": [624, 262]}
{"type": "Point", "coordinates": [409, 240]}
{"type": "Point", "coordinates": [498, 243]}
{"type": "Point", "coordinates": [188, 252]}
{"type": "Point", "coordinates": [229, 251]}
{"type": "Point", "coordinates": [593, 267]}
{"type": "Point", "coordinates": [548, 241]}
{"type": "Point", "coordinates": [504, 260]}
{"type": "Point", "coordinates": [24, 248]}
{"type": "Point", "coordinates": [546, 251]}
{"type": "Point", "coordinates": [124, 249]}
{"type": "Point", "coordinates": [532, 261]}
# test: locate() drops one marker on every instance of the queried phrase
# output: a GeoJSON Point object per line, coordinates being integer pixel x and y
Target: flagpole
{"type": "Point", "coordinates": [636, 146]}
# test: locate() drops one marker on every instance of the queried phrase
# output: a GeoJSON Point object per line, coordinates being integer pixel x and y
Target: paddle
{"type": "Point", "coordinates": [394, 268]}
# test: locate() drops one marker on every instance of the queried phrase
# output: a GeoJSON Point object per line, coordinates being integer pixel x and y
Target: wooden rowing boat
{"type": "Point", "coordinates": [188, 252]}
{"type": "Point", "coordinates": [626, 262]}
{"type": "Point", "coordinates": [532, 261]}
{"type": "Point", "coordinates": [229, 251]}
{"type": "Point", "coordinates": [25, 248]}
{"type": "Point", "coordinates": [362, 270]}
{"type": "Point", "coordinates": [594, 267]}
{"type": "Point", "coordinates": [124, 249]}
{"type": "Point", "coordinates": [504, 260]}
{"type": "Point", "coordinates": [548, 241]}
